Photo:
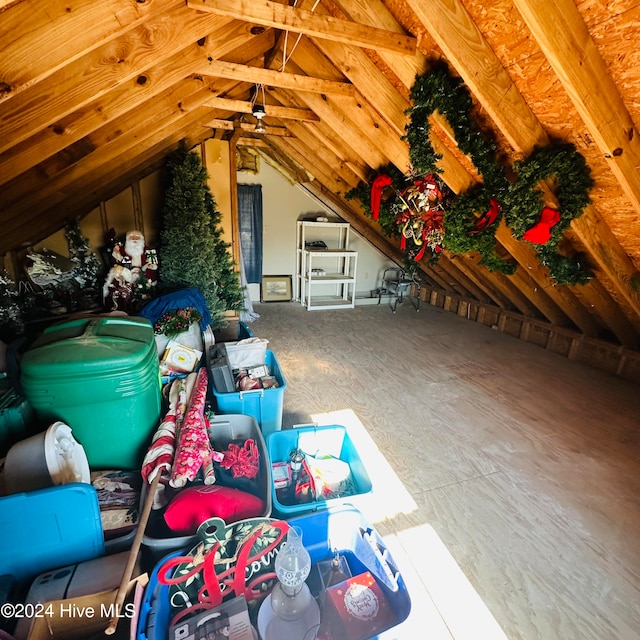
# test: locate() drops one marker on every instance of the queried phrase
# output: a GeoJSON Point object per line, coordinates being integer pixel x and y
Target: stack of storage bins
{"type": "Point", "coordinates": [101, 377]}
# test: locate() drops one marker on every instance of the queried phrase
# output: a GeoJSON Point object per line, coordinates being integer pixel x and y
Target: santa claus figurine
{"type": "Point", "coordinates": [135, 266]}
{"type": "Point", "coordinates": [136, 256]}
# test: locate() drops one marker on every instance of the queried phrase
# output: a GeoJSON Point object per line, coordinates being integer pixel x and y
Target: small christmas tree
{"type": "Point", "coordinates": [88, 264]}
{"type": "Point", "coordinates": [87, 269]}
{"type": "Point", "coordinates": [11, 322]}
{"type": "Point", "coordinates": [192, 252]}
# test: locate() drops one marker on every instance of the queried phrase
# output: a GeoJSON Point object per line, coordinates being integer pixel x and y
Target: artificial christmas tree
{"type": "Point", "coordinates": [192, 252]}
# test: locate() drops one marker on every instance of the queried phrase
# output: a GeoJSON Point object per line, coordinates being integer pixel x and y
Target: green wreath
{"type": "Point", "coordinates": [524, 204]}
{"type": "Point", "coordinates": [439, 91]}
{"type": "Point", "coordinates": [520, 202]}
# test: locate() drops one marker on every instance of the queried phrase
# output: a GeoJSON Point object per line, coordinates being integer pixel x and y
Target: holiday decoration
{"type": "Point", "coordinates": [133, 273]}
{"type": "Point", "coordinates": [412, 212]}
{"type": "Point", "coordinates": [524, 205]}
{"type": "Point", "coordinates": [540, 233]}
{"type": "Point", "coordinates": [471, 222]}
{"type": "Point", "coordinates": [173, 322]}
{"type": "Point", "coordinates": [192, 252]}
{"type": "Point", "coordinates": [87, 269]}
{"type": "Point", "coordinates": [381, 181]}
{"type": "Point", "coordinates": [419, 210]}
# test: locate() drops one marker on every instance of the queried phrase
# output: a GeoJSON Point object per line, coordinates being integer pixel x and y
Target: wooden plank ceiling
{"type": "Point", "coordinates": [94, 95]}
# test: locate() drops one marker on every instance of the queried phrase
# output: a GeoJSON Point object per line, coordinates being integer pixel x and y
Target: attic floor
{"type": "Point", "coordinates": [506, 479]}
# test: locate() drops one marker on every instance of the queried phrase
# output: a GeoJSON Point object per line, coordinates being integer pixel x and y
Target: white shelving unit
{"type": "Point", "coordinates": [334, 266]}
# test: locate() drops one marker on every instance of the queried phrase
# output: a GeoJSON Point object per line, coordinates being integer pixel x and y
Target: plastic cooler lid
{"type": "Point", "coordinates": [49, 528]}
{"type": "Point", "coordinates": [90, 343]}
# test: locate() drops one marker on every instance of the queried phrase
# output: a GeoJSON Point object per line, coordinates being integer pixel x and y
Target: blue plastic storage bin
{"type": "Point", "coordinates": [265, 405]}
{"type": "Point", "coordinates": [333, 440]}
{"type": "Point", "coordinates": [341, 527]}
{"type": "Point", "coordinates": [49, 528]}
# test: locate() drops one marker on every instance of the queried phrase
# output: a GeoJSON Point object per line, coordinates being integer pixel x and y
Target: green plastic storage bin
{"type": "Point", "coordinates": [101, 376]}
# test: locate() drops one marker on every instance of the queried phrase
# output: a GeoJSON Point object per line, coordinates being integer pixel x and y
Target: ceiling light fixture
{"type": "Point", "coordinates": [258, 110]}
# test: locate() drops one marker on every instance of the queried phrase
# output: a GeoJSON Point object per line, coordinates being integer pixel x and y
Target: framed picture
{"type": "Point", "coordinates": [275, 289]}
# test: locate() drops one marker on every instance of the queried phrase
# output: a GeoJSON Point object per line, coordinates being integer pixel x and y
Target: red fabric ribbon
{"type": "Point", "coordinates": [540, 233]}
{"type": "Point", "coordinates": [488, 218]}
{"type": "Point", "coordinates": [243, 461]}
{"type": "Point", "coordinates": [381, 181]}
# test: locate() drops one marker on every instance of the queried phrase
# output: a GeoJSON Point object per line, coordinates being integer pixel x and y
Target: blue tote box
{"type": "Point", "coordinates": [332, 441]}
{"type": "Point", "coordinates": [49, 528]}
{"type": "Point", "coordinates": [265, 405]}
{"type": "Point", "coordinates": [342, 528]}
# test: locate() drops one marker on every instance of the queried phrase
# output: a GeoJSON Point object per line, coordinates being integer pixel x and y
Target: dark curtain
{"type": "Point", "coordinates": [250, 225]}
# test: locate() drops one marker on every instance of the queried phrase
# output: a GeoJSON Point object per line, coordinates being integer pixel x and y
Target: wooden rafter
{"type": "Point", "coordinates": [257, 75]}
{"type": "Point", "coordinates": [564, 39]}
{"type": "Point", "coordinates": [277, 111]}
{"type": "Point", "coordinates": [112, 105]}
{"type": "Point", "coordinates": [101, 70]}
{"type": "Point", "coordinates": [279, 16]}
{"type": "Point", "coordinates": [229, 125]}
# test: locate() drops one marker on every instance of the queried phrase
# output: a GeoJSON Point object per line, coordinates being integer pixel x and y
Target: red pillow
{"type": "Point", "coordinates": [193, 505]}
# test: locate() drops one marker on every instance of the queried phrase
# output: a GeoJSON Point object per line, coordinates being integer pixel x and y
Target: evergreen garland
{"type": "Point", "coordinates": [520, 201]}
{"type": "Point", "coordinates": [362, 192]}
{"type": "Point", "coordinates": [439, 91]}
{"type": "Point", "coordinates": [391, 208]}
{"type": "Point", "coordinates": [460, 230]}
{"type": "Point", "coordinates": [192, 252]}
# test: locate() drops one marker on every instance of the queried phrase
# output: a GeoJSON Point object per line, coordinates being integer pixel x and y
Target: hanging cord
{"type": "Point", "coordinates": [285, 57]}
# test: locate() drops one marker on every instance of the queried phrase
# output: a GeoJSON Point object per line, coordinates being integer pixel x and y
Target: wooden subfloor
{"type": "Point", "coordinates": [506, 479]}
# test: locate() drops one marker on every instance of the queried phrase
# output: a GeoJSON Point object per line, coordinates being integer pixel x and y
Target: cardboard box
{"type": "Point", "coordinates": [358, 609]}
{"type": "Point", "coordinates": [87, 617]}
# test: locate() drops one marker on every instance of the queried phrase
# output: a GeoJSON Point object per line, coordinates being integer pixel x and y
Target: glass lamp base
{"type": "Point", "coordinates": [271, 627]}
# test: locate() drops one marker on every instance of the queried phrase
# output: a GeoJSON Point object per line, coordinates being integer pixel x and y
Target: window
{"type": "Point", "coordinates": [250, 226]}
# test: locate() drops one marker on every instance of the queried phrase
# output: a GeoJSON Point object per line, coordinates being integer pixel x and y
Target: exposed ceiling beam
{"type": "Point", "coordinates": [229, 125]}
{"type": "Point", "coordinates": [257, 75]}
{"type": "Point", "coordinates": [125, 59]}
{"type": "Point", "coordinates": [377, 15]}
{"type": "Point", "coordinates": [106, 178]}
{"type": "Point", "coordinates": [277, 111]}
{"type": "Point", "coordinates": [254, 143]}
{"type": "Point", "coordinates": [78, 29]}
{"type": "Point", "coordinates": [279, 16]}
{"type": "Point", "coordinates": [564, 39]}
{"type": "Point", "coordinates": [231, 39]}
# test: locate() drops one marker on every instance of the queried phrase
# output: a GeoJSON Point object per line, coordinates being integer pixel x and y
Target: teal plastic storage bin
{"type": "Point", "coordinates": [49, 528]}
{"type": "Point", "coordinates": [265, 405]}
{"type": "Point", "coordinates": [332, 440]}
{"type": "Point", "coordinates": [101, 376]}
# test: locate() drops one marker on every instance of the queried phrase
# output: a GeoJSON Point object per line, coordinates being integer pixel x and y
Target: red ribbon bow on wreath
{"type": "Point", "coordinates": [381, 181]}
{"type": "Point", "coordinates": [540, 233]}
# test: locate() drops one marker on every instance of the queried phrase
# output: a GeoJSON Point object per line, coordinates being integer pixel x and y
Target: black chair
{"type": "Point", "coordinates": [396, 284]}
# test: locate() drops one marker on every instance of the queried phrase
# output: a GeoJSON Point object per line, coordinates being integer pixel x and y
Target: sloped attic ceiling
{"type": "Point", "coordinates": [94, 95]}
